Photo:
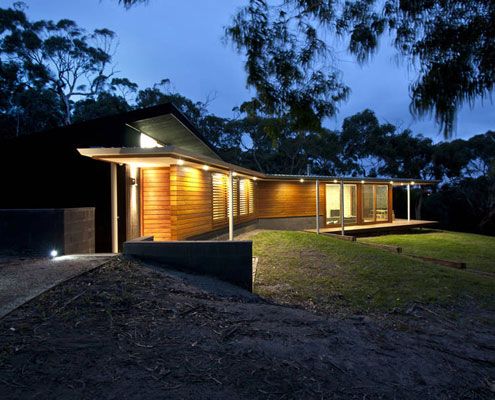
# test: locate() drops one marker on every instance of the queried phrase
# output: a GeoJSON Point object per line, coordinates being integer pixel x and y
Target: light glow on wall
{"type": "Point", "coordinates": [147, 142]}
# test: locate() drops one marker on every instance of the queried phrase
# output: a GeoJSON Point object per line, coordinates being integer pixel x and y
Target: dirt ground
{"type": "Point", "coordinates": [22, 278]}
{"type": "Point", "coordinates": [132, 331]}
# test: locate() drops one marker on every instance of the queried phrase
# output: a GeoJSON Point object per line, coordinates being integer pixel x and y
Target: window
{"type": "Point", "coordinates": [251, 196]}
{"type": "Point", "coordinates": [375, 203]}
{"type": "Point", "coordinates": [368, 203]}
{"type": "Point", "coordinates": [381, 202]}
{"type": "Point", "coordinates": [332, 196]}
{"type": "Point", "coordinates": [220, 197]}
{"type": "Point", "coordinates": [243, 197]}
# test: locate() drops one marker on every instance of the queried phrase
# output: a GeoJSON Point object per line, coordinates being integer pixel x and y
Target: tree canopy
{"type": "Point", "coordinates": [290, 57]}
{"type": "Point", "coordinates": [57, 57]}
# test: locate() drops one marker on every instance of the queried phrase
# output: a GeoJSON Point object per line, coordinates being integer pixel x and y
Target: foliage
{"type": "Point", "coordinates": [58, 56]}
{"type": "Point", "coordinates": [452, 42]}
{"type": "Point", "coordinates": [284, 57]}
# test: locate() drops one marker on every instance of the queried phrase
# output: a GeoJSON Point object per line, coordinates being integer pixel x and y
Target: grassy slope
{"type": "Point", "coordinates": [477, 251]}
{"type": "Point", "coordinates": [327, 274]}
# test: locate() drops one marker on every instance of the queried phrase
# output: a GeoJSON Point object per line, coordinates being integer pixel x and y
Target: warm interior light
{"type": "Point", "coordinates": [301, 180]}
{"type": "Point", "coordinates": [53, 253]}
{"type": "Point", "coordinates": [180, 162]}
{"type": "Point", "coordinates": [206, 167]}
{"type": "Point", "coordinates": [147, 142]}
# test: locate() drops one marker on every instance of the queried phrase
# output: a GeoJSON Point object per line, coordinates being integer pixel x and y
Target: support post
{"type": "Point", "coordinates": [231, 205]}
{"type": "Point", "coordinates": [408, 202]}
{"type": "Point", "coordinates": [114, 208]}
{"type": "Point", "coordinates": [317, 207]}
{"type": "Point", "coordinates": [342, 207]}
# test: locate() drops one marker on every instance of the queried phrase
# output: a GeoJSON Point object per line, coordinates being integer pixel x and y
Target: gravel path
{"type": "Point", "coordinates": [22, 279]}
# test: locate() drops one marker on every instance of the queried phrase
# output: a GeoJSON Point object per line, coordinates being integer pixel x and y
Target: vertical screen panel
{"type": "Point", "coordinates": [220, 198]}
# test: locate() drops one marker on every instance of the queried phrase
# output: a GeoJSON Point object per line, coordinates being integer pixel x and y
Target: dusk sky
{"type": "Point", "coordinates": [182, 41]}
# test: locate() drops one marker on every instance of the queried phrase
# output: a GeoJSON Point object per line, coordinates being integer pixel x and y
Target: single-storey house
{"type": "Point", "coordinates": [150, 172]}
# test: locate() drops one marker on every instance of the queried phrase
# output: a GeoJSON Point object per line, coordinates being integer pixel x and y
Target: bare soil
{"type": "Point", "coordinates": [132, 331]}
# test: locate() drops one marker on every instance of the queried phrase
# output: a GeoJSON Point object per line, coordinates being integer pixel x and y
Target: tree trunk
{"type": "Point", "coordinates": [67, 117]}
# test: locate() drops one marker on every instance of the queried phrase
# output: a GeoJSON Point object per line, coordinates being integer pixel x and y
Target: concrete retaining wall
{"type": "Point", "coordinates": [231, 261]}
{"type": "Point", "coordinates": [38, 231]}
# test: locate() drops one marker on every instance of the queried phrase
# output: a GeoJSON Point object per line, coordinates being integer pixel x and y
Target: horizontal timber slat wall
{"type": "Point", "coordinates": [277, 199]}
{"type": "Point", "coordinates": [178, 203]}
{"type": "Point", "coordinates": [190, 201]}
{"type": "Point", "coordinates": [155, 201]}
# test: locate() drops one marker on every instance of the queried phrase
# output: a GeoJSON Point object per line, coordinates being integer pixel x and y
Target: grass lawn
{"type": "Point", "coordinates": [477, 251]}
{"type": "Point", "coordinates": [327, 274]}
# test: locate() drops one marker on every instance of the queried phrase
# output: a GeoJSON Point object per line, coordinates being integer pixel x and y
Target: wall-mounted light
{"type": "Point", "coordinates": [335, 181]}
{"type": "Point", "coordinates": [412, 183]}
{"type": "Point", "coordinates": [301, 180]}
{"type": "Point", "coordinates": [180, 162]}
{"type": "Point", "coordinates": [206, 167]}
{"type": "Point", "coordinates": [53, 253]}
{"type": "Point", "coordinates": [132, 181]}
{"type": "Point", "coordinates": [234, 173]}
{"type": "Point", "coordinates": [254, 178]}
{"type": "Point", "coordinates": [362, 181]}
{"type": "Point", "coordinates": [391, 182]}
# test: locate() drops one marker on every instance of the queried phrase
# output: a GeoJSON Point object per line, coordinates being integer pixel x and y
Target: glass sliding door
{"type": "Point", "coordinates": [375, 203]}
{"type": "Point", "coordinates": [381, 211]}
{"type": "Point", "coordinates": [368, 203]}
{"type": "Point", "coordinates": [332, 198]}
{"type": "Point", "coordinates": [350, 204]}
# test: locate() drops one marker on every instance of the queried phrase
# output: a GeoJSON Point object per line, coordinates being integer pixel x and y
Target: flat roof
{"type": "Point", "coordinates": [168, 155]}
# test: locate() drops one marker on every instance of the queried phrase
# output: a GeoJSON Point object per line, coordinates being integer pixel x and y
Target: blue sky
{"type": "Point", "coordinates": [182, 41]}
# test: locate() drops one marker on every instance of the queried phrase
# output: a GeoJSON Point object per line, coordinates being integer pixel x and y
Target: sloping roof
{"type": "Point", "coordinates": [169, 126]}
{"type": "Point", "coordinates": [164, 123]}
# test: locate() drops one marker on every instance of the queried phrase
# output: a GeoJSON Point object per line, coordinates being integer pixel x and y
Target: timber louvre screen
{"type": "Point", "coordinates": [220, 201]}
{"type": "Point", "coordinates": [243, 198]}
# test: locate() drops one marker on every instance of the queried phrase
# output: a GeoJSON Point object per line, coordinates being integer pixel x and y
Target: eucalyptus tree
{"type": "Point", "coordinates": [290, 57]}
{"type": "Point", "coordinates": [57, 56]}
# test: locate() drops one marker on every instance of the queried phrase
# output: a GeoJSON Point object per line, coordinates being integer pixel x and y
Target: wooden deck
{"type": "Point", "coordinates": [397, 225]}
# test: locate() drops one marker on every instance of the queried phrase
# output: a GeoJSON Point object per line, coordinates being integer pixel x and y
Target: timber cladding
{"type": "Point", "coordinates": [276, 199]}
{"type": "Point", "coordinates": [155, 203]}
{"type": "Point", "coordinates": [180, 202]}
{"type": "Point", "coordinates": [190, 202]}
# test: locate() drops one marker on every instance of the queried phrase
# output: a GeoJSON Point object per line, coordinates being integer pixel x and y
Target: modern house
{"type": "Point", "coordinates": [150, 172]}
